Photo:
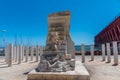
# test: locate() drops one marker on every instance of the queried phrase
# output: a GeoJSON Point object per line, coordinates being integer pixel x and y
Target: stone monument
{"type": "Point", "coordinates": [58, 59]}
{"type": "Point", "coordinates": [59, 51]}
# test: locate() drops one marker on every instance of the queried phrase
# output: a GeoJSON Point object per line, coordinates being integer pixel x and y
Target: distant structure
{"type": "Point", "coordinates": [110, 34]}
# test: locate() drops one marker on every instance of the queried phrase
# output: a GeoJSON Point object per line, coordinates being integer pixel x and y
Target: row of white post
{"type": "Point", "coordinates": [20, 53]}
{"type": "Point", "coordinates": [83, 52]}
{"type": "Point", "coordinates": [103, 51]}
{"type": "Point", "coordinates": [107, 49]}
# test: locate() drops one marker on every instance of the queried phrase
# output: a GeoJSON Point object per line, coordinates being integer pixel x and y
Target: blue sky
{"type": "Point", "coordinates": [29, 18]}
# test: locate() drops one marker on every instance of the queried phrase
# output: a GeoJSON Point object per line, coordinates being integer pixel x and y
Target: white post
{"type": "Point", "coordinates": [103, 51]}
{"type": "Point", "coordinates": [10, 52]}
{"type": "Point", "coordinates": [37, 53]}
{"type": "Point", "coordinates": [20, 54]}
{"type": "Point", "coordinates": [115, 52]}
{"type": "Point", "coordinates": [108, 52]}
{"type": "Point", "coordinates": [17, 53]}
{"type": "Point", "coordinates": [14, 53]}
{"type": "Point", "coordinates": [6, 54]}
{"type": "Point", "coordinates": [40, 52]}
{"type": "Point", "coordinates": [31, 53]}
{"type": "Point", "coordinates": [83, 53]}
{"type": "Point", "coordinates": [26, 54]}
{"type": "Point", "coordinates": [92, 52]}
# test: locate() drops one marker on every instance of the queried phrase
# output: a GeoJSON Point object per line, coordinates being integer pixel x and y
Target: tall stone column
{"type": "Point", "coordinates": [103, 51]}
{"type": "Point", "coordinates": [31, 54]}
{"type": "Point", "coordinates": [23, 53]}
{"type": "Point", "coordinates": [6, 54]}
{"type": "Point", "coordinates": [15, 47]}
{"type": "Point", "coordinates": [83, 53]}
{"type": "Point", "coordinates": [37, 53]}
{"type": "Point", "coordinates": [115, 52]}
{"type": "Point", "coordinates": [20, 54]}
{"type": "Point", "coordinates": [10, 52]}
{"type": "Point", "coordinates": [26, 53]}
{"type": "Point", "coordinates": [92, 52]}
{"type": "Point", "coordinates": [41, 52]}
{"type": "Point", "coordinates": [17, 53]}
{"type": "Point", "coordinates": [14, 53]}
{"type": "Point", "coordinates": [108, 52]}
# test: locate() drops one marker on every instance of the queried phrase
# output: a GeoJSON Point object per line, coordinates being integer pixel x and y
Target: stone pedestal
{"type": "Point", "coordinates": [92, 52]}
{"type": "Point", "coordinates": [108, 52]}
{"type": "Point", "coordinates": [103, 51]}
{"type": "Point", "coordinates": [20, 54]}
{"type": "Point", "coordinates": [83, 53]}
{"type": "Point", "coordinates": [80, 73]}
{"type": "Point", "coordinates": [115, 52]}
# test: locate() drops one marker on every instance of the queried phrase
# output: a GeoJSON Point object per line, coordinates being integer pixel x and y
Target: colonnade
{"type": "Point", "coordinates": [106, 51]}
{"type": "Point", "coordinates": [22, 53]}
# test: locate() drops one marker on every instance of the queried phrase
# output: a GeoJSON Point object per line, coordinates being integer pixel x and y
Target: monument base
{"type": "Point", "coordinates": [80, 73]}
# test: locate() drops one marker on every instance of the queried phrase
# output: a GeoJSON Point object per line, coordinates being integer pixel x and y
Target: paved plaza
{"type": "Point", "coordinates": [98, 69]}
